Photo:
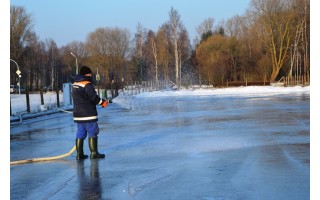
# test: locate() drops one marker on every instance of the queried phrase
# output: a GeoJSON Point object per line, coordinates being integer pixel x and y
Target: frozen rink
{"type": "Point", "coordinates": [243, 143]}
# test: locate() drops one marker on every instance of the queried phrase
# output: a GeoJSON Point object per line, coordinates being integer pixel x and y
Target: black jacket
{"type": "Point", "coordinates": [85, 99]}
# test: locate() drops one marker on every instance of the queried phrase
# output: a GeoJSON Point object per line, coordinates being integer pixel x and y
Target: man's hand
{"type": "Point", "coordinates": [104, 103]}
{"type": "Point", "coordinates": [110, 100]}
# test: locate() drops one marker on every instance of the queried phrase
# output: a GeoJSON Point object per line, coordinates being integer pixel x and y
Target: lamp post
{"type": "Point", "coordinates": [17, 72]}
{"type": "Point", "coordinates": [76, 61]}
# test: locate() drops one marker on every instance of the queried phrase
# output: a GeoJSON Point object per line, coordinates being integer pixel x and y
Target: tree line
{"type": "Point", "coordinates": [270, 41]}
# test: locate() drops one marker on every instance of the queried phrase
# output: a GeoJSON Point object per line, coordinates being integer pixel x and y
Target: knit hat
{"type": "Point", "coordinates": [85, 70]}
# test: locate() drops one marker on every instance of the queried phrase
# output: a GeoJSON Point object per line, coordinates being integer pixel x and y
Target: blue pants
{"type": "Point", "coordinates": [87, 128]}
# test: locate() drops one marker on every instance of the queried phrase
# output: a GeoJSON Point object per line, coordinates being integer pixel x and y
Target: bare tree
{"type": "Point", "coordinates": [233, 26]}
{"type": "Point", "coordinates": [155, 56]}
{"type": "Point", "coordinates": [299, 49]}
{"type": "Point", "coordinates": [108, 49]}
{"type": "Point", "coordinates": [20, 32]}
{"type": "Point", "coordinates": [274, 21]}
{"type": "Point", "coordinates": [78, 48]}
{"type": "Point", "coordinates": [52, 63]}
{"type": "Point", "coordinates": [76, 53]}
{"type": "Point", "coordinates": [165, 49]}
{"type": "Point", "coordinates": [205, 27]}
{"type": "Point", "coordinates": [184, 49]}
{"type": "Point", "coordinates": [139, 53]}
{"type": "Point", "coordinates": [211, 55]}
{"type": "Point", "coordinates": [175, 26]}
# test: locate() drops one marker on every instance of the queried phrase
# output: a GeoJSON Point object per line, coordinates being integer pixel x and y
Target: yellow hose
{"type": "Point", "coordinates": [43, 159]}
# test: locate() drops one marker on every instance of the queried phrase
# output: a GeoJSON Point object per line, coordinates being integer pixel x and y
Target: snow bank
{"type": "Point", "coordinates": [236, 91]}
{"type": "Point", "coordinates": [19, 102]}
{"type": "Point", "coordinates": [130, 101]}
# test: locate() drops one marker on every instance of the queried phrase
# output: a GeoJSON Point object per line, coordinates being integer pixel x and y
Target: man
{"type": "Point", "coordinates": [85, 113]}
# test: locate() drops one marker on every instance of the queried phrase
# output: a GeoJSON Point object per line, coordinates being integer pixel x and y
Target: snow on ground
{"type": "Point", "coordinates": [18, 102]}
{"type": "Point", "coordinates": [128, 101]}
{"type": "Point", "coordinates": [234, 91]}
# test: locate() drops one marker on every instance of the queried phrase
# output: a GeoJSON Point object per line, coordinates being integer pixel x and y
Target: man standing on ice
{"type": "Point", "coordinates": [85, 113]}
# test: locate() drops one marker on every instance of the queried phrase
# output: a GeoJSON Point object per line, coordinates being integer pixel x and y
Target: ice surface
{"type": "Point", "coordinates": [243, 143]}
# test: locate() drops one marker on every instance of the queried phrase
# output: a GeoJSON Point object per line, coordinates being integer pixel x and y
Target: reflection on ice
{"type": "Point", "coordinates": [145, 180]}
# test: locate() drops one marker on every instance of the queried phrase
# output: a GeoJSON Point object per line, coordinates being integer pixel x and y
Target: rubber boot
{"type": "Point", "coordinates": [93, 144]}
{"type": "Point", "coordinates": [79, 147]}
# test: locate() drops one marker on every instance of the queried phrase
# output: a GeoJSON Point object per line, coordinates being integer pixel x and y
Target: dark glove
{"type": "Point", "coordinates": [104, 103]}
{"type": "Point", "coordinates": [110, 100]}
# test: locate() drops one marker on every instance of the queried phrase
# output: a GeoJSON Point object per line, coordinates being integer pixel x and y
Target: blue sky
{"type": "Point", "coordinates": [67, 21]}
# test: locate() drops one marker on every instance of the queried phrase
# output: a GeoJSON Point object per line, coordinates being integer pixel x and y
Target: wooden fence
{"type": "Point", "coordinates": [296, 80]}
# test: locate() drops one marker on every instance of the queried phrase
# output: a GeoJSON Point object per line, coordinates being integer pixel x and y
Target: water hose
{"type": "Point", "coordinates": [48, 158]}
{"type": "Point", "coordinates": [43, 159]}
